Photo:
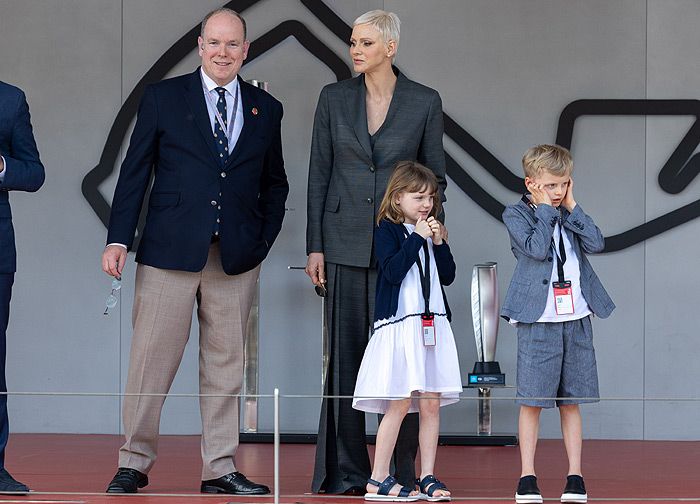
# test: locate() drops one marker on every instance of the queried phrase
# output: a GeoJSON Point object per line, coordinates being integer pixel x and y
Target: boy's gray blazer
{"type": "Point", "coordinates": [347, 178]}
{"type": "Point", "coordinates": [531, 242]}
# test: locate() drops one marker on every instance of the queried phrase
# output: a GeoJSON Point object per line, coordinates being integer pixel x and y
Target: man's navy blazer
{"type": "Point", "coordinates": [23, 168]}
{"type": "Point", "coordinates": [531, 242]}
{"type": "Point", "coordinates": [173, 140]}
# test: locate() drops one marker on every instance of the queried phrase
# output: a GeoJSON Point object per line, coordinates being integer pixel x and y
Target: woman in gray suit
{"type": "Point", "coordinates": [362, 127]}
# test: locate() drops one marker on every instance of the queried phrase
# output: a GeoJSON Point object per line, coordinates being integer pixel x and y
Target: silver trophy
{"type": "Point", "coordinates": [487, 371]}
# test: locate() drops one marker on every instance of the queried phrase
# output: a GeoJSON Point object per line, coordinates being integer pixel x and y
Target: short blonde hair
{"type": "Point", "coordinates": [408, 177]}
{"type": "Point", "coordinates": [548, 158]}
{"type": "Point", "coordinates": [387, 23]}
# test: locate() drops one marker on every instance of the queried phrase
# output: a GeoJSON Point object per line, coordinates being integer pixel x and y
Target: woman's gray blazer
{"type": "Point", "coordinates": [347, 179]}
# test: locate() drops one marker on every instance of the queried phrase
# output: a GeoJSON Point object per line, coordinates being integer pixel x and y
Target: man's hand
{"type": "Point", "coordinates": [2, 164]}
{"type": "Point", "coordinates": [316, 268]}
{"type": "Point", "coordinates": [568, 201]}
{"type": "Point", "coordinates": [113, 259]}
{"type": "Point", "coordinates": [539, 195]}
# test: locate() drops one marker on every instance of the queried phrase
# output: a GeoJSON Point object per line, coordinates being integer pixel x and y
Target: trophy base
{"type": "Point", "coordinates": [486, 374]}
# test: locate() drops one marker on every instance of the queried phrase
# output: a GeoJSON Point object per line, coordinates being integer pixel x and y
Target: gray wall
{"type": "Point", "coordinates": [505, 70]}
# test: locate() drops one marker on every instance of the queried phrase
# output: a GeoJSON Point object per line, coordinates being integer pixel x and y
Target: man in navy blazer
{"type": "Point", "coordinates": [20, 170]}
{"type": "Point", "coordinates": [212, 144]}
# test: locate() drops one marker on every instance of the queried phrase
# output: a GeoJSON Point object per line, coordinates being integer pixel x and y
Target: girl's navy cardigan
{"type": "Point", "coordinates": [395, 255]}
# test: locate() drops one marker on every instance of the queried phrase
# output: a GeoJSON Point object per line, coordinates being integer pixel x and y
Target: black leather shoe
{"type": "Point", "coordinates": [234, 483]}
{"type": "Point", "coordinates": [127, 481]}
{"type": "Point", "coordinates": [10, 485]}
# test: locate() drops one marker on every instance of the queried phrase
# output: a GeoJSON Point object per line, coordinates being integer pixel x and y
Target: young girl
{"type": "Point", "coordinates": [410, 363]}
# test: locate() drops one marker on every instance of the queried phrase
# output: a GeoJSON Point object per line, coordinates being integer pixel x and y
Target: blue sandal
{"type": "Point", "coordinates": [385, 487]}
{"type": "Point", "coordinates": [429, 485]}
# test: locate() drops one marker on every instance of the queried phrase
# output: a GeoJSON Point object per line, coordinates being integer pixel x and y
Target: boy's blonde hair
{"type": "Point", "coordinates": [408, 177]}
{"type": "Point", "coordinates": [548, 158]}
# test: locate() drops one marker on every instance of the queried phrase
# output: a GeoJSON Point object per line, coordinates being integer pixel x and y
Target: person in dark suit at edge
{"type": "Point", "coordinates": [362, 127]}
{"type": "Point", "coordinates": [20, 170]}
{"type": "Point", "coordinates": [213, 145]}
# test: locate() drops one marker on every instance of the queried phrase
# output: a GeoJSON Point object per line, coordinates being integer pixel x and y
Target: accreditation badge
{"type": "Point", "coordinates": [428, 323]}
{"type": "Point", "coordinates": [563, 298]}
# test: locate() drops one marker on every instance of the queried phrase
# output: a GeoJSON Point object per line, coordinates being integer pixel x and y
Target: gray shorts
{"type": "Point", "coordinates": [556, 359]}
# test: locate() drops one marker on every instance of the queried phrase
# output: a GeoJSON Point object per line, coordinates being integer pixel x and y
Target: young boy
{"type": "Point", "coordinates": [551, 297]}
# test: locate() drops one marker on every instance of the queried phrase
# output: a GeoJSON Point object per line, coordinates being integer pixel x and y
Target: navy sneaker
{"type": "Point", "coordinates": [528, 492]}
{"type": "Point", "coordinates": [575, 490]}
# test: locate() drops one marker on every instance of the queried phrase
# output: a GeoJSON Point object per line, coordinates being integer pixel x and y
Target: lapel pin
{"type": "Point", "coordinates": [255, 111]}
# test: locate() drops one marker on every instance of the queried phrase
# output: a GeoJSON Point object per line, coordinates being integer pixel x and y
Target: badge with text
{"type": "Point", "coordinates": [428, 323]}
{"type": "Point", "coordinates": [563, 298]}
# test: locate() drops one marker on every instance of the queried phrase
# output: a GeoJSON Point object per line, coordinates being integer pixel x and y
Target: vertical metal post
{"type": "Point", "coordinates": [484, 416]}
{"type": "Point", "coordinates": [251, 367]}
{"type": "Point", "coordinates": [265, 85]}
{"type": "Point", "coordinates": [325, 356]}
{"type": "Point", "coordinates": [277, 446]}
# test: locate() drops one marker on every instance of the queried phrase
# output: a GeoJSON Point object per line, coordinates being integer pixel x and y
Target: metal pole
{"type": "Point", "coordinates": [484, 416]}
{"type": "Point", "coordinates": [277, 446]}
{"type": "Point", "coordinates": [251, 365]}
{"type": "Point", "coordinates": [325, 355]}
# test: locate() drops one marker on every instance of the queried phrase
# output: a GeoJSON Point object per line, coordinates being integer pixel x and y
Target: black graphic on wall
{"type": "Point", "coordinates": [678, 171]}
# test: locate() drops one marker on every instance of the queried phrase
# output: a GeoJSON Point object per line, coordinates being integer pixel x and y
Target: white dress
{"type": "Point", "coordinates": [397, 363]}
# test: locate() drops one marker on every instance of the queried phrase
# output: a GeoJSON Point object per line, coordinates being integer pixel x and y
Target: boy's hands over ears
{"type": "Point", "coordinates": [568, 201]}
{"type": "Point", "coordinates": [539, 195]}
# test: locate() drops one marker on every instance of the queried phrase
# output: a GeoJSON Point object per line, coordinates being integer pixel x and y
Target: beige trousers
{"type": "Point", "coordinates": [162, 317]}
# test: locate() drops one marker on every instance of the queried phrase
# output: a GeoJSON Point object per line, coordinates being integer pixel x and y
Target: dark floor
{"type": "Point", "coordinates": [77, 468]}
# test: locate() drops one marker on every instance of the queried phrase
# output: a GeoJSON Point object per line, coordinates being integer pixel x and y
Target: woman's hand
{"type": "Point", "coordinates": [316, 268]}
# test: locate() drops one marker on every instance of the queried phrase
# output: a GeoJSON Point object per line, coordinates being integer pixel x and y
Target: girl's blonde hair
{"type": "Point", "coordinates": [408, 177]}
